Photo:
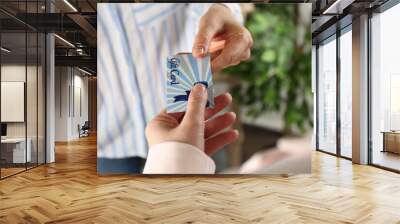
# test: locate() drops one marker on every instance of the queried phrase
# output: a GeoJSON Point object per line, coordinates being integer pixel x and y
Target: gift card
{"type": "Point", "coordinates": [183, 72]}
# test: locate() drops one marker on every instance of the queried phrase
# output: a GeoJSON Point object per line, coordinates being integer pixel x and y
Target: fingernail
{"type": "Point", "coordinates": [200, 89]}
{"type": "Point", "coordinates": [229, 95]}
{"type": "Point", "coordinates": [199, 50]}
{"type": "Point", "coordinates": [233, 115]}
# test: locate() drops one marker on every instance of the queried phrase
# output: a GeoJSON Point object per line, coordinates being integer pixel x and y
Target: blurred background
{"type": "Point", "coordinates": [272, 91]}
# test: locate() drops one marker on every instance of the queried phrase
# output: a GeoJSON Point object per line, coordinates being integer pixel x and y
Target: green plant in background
{"type": "Point", "coordinates": [278, 76]}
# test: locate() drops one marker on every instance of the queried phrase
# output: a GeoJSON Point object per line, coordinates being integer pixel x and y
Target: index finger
{"type": "Point", "coordinates": [203, 37]}
{"type": "Point", "coordinates": [216, 46]}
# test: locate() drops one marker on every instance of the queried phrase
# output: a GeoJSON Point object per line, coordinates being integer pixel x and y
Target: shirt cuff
{"type": "Point", "coordinates": [177, 158]}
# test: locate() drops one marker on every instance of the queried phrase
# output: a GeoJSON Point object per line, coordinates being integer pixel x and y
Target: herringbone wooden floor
{"type": "Point", "coordinates": [70, 191]}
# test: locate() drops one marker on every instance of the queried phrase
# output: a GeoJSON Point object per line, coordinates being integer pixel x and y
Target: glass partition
{"type": "Point", "coordinates": [327, 95]}
{"type": "Point", "coordinates": [14, 154]}
{"type": "Point", "coordinates": [22, 77]}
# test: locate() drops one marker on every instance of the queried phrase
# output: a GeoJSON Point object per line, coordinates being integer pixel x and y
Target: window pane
{"type": "Point", "coordinates": [385, 86]}
{"type": "Point", "coordinates": [345, 94]}
{"type": "Point", "coordinates": [327, 96]}
{"type": "Point", "coordinates": [31, 97]}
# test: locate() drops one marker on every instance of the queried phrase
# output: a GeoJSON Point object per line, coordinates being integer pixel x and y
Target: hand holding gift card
{"type": "Point", "coordinates": [183, 72]}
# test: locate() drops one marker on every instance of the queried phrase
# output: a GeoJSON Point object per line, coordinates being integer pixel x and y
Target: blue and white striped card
{"type": "Point", "coordinates": [183, 72]}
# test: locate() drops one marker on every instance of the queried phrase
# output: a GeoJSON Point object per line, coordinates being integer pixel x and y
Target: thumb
{"type": "Point", "coordinates": [203, 38]}
{"type": "Point", "coordinates": [194, 116]}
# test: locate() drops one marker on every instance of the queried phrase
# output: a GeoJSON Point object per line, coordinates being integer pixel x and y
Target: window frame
{"type": "Point", "coordinates": [339, 32]}
{"type": "Point", "coordinates": [381, 9]}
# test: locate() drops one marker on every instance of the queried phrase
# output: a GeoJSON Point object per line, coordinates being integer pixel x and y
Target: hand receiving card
{"type": "Point", "coordinates": [183, 72]}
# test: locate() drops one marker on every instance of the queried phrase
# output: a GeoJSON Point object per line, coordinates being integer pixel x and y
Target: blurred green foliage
{"type": "Point", "coordinates": [277, 78]}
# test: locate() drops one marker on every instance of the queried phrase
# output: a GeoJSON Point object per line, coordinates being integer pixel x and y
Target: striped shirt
{"type": "Point", "coordinates": [134, 41]}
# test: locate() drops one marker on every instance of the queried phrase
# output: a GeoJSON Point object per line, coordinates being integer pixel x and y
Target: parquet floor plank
{"type": "Point", "coordinates": [70, 191]}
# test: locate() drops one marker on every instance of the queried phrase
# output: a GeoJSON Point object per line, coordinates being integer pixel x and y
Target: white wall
{"type": "Point", "coordinates": [79, 117]}
{"type": "Point", "coordinates": [12, 100]}
{"type": "Point", "coordinates": [62, 81]}
{"type": "Point", "coordinates": [71, 94]}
